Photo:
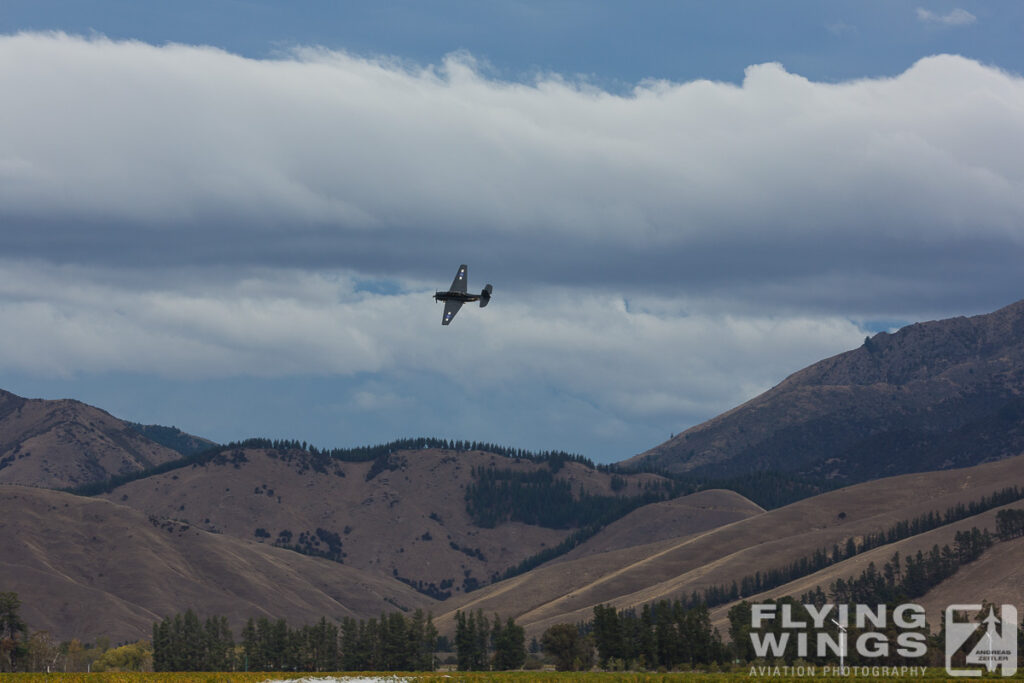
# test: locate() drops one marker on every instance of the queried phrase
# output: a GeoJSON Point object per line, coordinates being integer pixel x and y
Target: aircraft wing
{"type": "Point", "coordinates": [451, 307]}
{"type": "Point", "coordinates": [460, 281]}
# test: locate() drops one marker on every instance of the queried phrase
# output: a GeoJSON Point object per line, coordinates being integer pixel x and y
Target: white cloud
{"type": "Point", "coordinates": [183, 211]}
{"type": "Point", "coordinates": [955, 17]}
{"type": "Point", "coordinates": [127, 152]}
{"type": "Point", "coordinates": [632, 363]}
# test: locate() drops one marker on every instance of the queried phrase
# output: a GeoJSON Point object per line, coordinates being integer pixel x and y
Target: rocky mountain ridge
{"type": "Point", "coordinates": [934, 395]}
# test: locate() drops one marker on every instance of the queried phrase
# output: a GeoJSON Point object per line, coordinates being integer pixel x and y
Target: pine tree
{"type": "Point", "coordinates": [509, 642]}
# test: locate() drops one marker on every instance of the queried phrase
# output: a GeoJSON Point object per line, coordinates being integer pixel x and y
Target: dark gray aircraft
{"type": "Point", "coordinates": [457, 295]}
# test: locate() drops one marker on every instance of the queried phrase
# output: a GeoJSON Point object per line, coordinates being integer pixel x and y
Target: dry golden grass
{"type": "Point", "coordinates": [568, 590]}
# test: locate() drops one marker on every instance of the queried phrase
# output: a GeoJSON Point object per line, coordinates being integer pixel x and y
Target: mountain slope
{"type": "Point", "coordinates": [86, 567]}
{"type": "Point", "coordinates": [404, 516]}
{"type": "Point", "coordinates": [997, 576]}
{"type": "Point", "coordinates": [173, 438]}
{"type": "Point", "coordinates": [567, 589]}
{"type": "Point", "coordinates": [57, 444]}
{"type": "Point", "coordinates": [933, 395]}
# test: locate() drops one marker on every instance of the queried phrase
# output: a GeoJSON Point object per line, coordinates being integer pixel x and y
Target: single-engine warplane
{"type": "Point", "coordinates": [457, 295]}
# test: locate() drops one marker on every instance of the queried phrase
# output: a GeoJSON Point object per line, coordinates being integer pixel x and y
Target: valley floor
{"type": "Point", "coordinates": [740, 674]}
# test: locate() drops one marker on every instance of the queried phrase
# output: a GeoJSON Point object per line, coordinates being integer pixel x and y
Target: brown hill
{"type": "Point", "coordinates": [669, 521]}
{"type": "Point", "coordinates": [406, 518]}
{"type": "Point", "coordinates": [567, 589]}
{"type": "Point", "coordinates": [85, 567]}
{"type": "Point", "coordinates": [996, 576]}
{"type": "Point", "coordinates": [933, 395]}
{"type": "Point", "coordinates": [57, 444]}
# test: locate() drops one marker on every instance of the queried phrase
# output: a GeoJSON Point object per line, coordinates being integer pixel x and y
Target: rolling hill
{"type": "Point", "coordinates": [916, 422]}
{"type": "Point", "coordinates": [85, 567]}
{"type": "Point", "coordinates": [404, 516]}
{"type": "Point", "coordinates": [568, 588]}
{"type": "Point", "coordinates": [933, 395]}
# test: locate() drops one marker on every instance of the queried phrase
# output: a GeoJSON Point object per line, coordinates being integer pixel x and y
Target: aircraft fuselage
{"type": "Point", "coordinates": [462, 297]}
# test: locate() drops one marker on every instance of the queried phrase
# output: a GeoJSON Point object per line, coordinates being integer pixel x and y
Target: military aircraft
{"type": "Point", "coordinates": [457, 295]}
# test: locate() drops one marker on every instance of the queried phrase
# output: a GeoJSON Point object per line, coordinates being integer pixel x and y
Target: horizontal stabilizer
{"type": "Point", "coordinates": [485, 296]}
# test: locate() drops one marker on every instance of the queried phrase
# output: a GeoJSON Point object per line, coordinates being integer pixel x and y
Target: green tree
{"type": "Point", "coordinates": [740, 616]}
{"type": "Point", "coordinates": [422, 641]}
{"type": "Point", "coordinates": [13, 633]}
{"type": "Point", "coordinates": [395, 643]}
{"type": "Point", "coordinates": [570, 650]}
{"type": "Point", "coordinates": [351, 655]}
{"type": "Point", "coordinates": [192, 643]}
{"type": "Point", "coordinates": [471, 635]}
{"type": "Point", "coordinates": [162, 645]}
{"type": "Point", "coordinates": [319, 647]}
{"type": "Point", "coordinates": [135, 657]}
{"type": "Point", "coordinates": [218, 645]}
{"type": "Point", "coordinates": [252, 655]}
{"type": "Point", "coordinates": [607, 633]}
{"type": "Point", "coordinates": [509, 640]}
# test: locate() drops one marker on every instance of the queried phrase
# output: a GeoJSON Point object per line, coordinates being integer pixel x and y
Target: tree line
{"type": "Point", "coordinates": [915, 575]}
{"type": "Point", "coordinates": [669, 634]}
{"type": "Point", "coordinates": [899, 581]}
{"type": "Point", "coordinates": [1009, 524]}
{"type": "Point", "coordinates": [821, 558]}
{"type": "Point", "coordinates": [483, 645]}
{"type": "Point", "coordinates": [319, 459]}
{"type": "Point", "coordinates": [394, 642]}
{"type": "Point", "coordinates": [498, 495]}
{"type": "Point", "coordinates": [539, 498]}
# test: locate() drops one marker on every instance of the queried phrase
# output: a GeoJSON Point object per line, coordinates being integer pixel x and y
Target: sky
{"type": "Point", "coordinates": [231, 216]}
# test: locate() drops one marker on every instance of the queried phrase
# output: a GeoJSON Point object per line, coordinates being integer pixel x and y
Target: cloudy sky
{"type": "Point", "coordinates": [230, 216]}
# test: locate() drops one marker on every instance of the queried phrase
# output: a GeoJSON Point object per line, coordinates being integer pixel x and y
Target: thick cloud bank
{"type": "Point", "coordinates": [128, 152]}
{"type": "Point", "coordinates": [657, 257]}
{"type": "Point", "coordinates": [271, 324]}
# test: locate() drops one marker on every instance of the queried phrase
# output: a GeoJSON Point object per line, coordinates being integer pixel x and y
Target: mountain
{"type": "Point", "coordinates": [629, 576]}
{"type": "Point", "coordinates": [404, 515]}
{"type": "Point", "coordinates": [85, 567]}
{"type": "Point", "coordinates": [173, 438]}
{"type": "Point", "coordinates": [57, 444]}
{"type": "Point", "coordinates": [933, 395]}
{"type": "Point", "coordinates": [926, 420]}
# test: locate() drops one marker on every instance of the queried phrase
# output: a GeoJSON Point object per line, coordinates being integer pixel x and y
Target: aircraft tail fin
{"type": "Point", "coordinates": [485, 296]}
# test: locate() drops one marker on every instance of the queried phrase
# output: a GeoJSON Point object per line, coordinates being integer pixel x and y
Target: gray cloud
{"type": "Point", "coordinates": [183, 155]}
{"type": "Point", "coordinates": [657, 257]}
{"type": "Point", "coordinates": [637, 360]}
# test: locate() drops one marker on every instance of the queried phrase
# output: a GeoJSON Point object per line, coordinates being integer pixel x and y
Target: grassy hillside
{"type": "Point", "coordinates": [404, 514]}
{"type": "Point", "coordinates": [567, 590]}
{"type": "Point", "coordinates": [55, 444]}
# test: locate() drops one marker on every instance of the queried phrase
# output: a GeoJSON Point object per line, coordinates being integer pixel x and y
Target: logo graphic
{"type": "Point", "coordinates": [988, 644]}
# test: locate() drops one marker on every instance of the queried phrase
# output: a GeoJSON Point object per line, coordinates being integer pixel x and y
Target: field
{"type": "Point", "coordinates": [457, 677]}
